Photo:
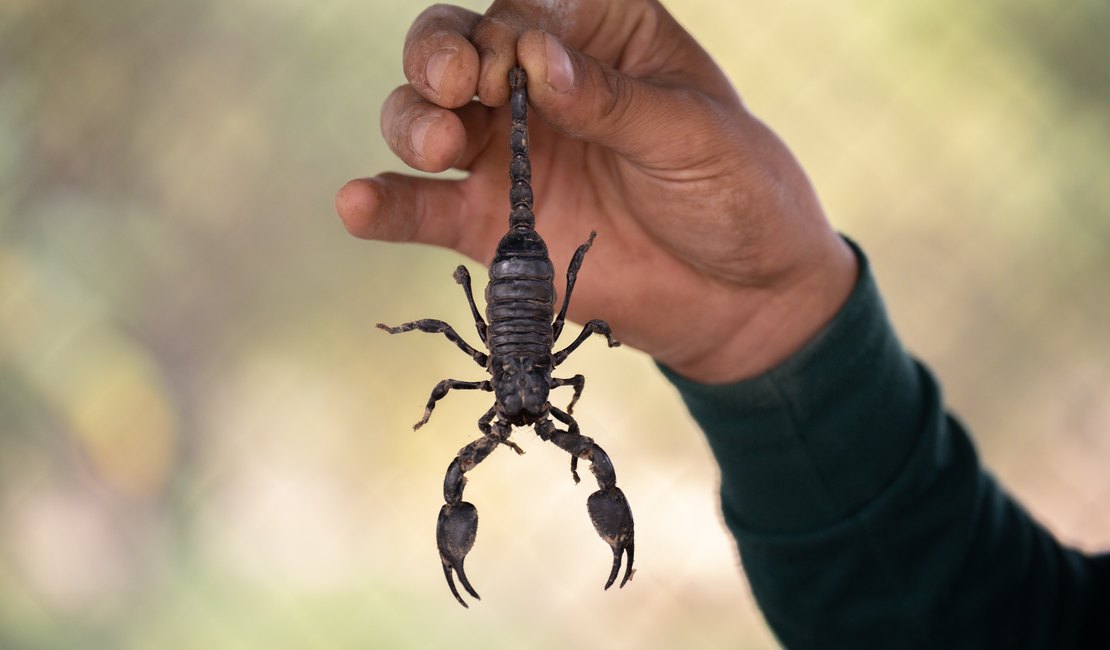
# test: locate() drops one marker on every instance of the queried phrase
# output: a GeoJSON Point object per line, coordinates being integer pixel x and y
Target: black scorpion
{"type": "Point", "coordinates": [520, 336]}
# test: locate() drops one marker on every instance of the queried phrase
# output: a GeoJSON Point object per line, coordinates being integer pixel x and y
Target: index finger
{"type": "Point", "coordinates": [439, 60]}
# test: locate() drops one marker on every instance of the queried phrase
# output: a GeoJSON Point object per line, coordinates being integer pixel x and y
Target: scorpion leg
{"type": "Point", "coordinates": [462, 276]}
{"type": "Point", "coordinates": [485, 427]}
{"type": "Point", "coordinates": [433, 326]}
{"type": "Point", "coordinates": [608, 507]}
{"type": "Point", "coordinates": [578, 381]}
{"type": "Point", "coordinates": [457, 525]}
{"type": "Point", "coordinates": [440, 391]}
{"type": "Point", "coordinates": [572, 275]}
{"type": "Point", "coordinates": [593, 327]}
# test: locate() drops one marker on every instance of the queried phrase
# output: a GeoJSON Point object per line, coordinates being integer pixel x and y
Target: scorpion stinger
{"type": "Point", "coordinates": [520, 335]}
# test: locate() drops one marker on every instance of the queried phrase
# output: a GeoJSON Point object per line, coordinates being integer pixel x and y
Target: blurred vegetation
{"type": "Point", "coordinates": [203, 443]}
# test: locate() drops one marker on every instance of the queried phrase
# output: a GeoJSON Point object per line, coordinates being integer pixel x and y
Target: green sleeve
{"type": "Point", "coordinates": [863, 516]}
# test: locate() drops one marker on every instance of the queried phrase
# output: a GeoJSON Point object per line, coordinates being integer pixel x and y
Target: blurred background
{"type": "Point", "coordinates": [204, 443]}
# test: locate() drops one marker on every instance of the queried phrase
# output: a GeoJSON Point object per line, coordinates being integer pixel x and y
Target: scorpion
{"type": "Point", "coordinates": [520, 336]}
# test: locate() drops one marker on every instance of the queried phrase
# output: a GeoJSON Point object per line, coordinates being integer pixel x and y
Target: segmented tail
{"type": "Point", "coordinates": [520, 167]}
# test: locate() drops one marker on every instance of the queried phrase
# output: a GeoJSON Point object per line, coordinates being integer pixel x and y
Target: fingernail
{"type": "Point", "coordinates": [419, 133]}
{"type": "Point", "coordinates": [560, 71]}
{"type": "Point", "coordinates": [436, 66]}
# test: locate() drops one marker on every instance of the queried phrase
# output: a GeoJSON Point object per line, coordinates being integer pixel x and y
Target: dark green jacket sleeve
{"type": "Point", "coordinates": [863, 516]}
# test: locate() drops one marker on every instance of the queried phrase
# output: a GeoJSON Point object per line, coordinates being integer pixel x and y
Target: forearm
{"type": "Point", "coordinates": [862, 515]}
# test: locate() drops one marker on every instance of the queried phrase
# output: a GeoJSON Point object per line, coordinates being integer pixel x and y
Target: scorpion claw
{"type": "Point", "coordinates": [455, 533]}
{"type": "Point", "coordinates": [451, 584]}
{"type": "Point", "coordinates": [612, 518]}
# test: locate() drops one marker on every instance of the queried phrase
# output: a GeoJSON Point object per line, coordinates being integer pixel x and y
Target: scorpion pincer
{"type": "Point", "coordinates": [520, 335]}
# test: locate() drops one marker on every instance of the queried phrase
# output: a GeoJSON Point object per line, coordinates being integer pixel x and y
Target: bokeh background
{"type": "Point", "coordinates": [205, 444]}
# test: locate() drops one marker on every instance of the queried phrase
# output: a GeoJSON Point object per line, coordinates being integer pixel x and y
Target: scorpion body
{"type": "Point", "coordinates": [520, 335]}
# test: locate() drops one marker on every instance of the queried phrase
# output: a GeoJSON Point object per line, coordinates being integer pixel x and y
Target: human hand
{"type": "Point", "coordinates": [713, 254]}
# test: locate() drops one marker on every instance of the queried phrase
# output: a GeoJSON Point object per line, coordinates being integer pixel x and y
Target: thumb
{"type": "Point", "coordinates": [587, 99]}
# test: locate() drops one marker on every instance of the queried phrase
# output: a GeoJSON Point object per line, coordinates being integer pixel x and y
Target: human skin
{"type": "Point", "coordinates": [713, 254]}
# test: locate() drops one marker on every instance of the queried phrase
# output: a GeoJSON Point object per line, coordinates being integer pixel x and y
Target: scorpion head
{"type": "Point", "coordinates": [521, 385]}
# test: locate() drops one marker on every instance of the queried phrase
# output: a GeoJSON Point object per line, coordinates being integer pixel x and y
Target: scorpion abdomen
{"type": "Point", "coordinates": [520, 327]}
{"type": "Point", "coordinates": [520, 297]}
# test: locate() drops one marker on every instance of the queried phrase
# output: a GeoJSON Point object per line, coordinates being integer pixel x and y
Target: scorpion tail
{"type": "Point", "coordinates": [520, 167]}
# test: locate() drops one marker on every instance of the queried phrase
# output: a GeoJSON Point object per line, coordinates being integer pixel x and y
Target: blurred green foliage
{"type": "Point", "coordinates": [203, 443]}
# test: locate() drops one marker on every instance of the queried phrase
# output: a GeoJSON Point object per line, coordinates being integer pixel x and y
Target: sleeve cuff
{"type": "Point", "coordinates": [818, 437]}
